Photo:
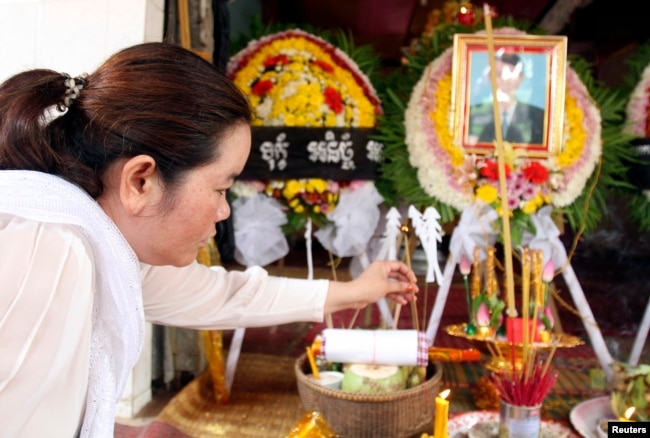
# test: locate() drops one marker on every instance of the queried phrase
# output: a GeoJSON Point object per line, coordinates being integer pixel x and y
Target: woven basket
{"type": "Point", "coordinates": [400, 414]}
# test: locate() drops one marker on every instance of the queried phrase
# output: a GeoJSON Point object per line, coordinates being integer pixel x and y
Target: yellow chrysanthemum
{"type": "Point", "coordinates": [292, 188]}
{"type": "Point", "coordinates": [487, 193]}
{"type": "Point", "coordinates": [534, 204]}
{"type": "Point", "coordinates": [576, 137]}
{"type": "Point", "coordinates": [440, 117]}
{"type": "Point", "coordinates": [299, 84]}
{"type": "Point", "coordinates": [316, 185]}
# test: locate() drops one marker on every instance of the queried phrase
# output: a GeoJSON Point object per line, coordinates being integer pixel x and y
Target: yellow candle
{"type": "Point", "coordinates": [627, 414]}
{"type": "Point", "coordinates": [442, 415]}
{"type": "Point", "coordinates": [312, 363]}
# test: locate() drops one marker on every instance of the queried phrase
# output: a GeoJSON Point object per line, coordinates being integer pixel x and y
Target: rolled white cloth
{"type": "Point", "coordinates": [380, 347]}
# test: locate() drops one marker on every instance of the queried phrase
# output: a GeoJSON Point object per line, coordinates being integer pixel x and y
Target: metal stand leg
{"type": "Point", "coordinates": [441, 299]}
{"type": "Point", "coordinates": [641, 337]}
{"type": "Point", "coordinates": [596, 337]}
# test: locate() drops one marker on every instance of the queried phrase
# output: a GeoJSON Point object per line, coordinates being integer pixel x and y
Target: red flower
{"type": "Point", "coordinates": [535, 172]}
{"type": "Point", "coordinates": [466, 15]}
{"type": "Point", "coordinates": [333, 100]}
{"type": "Point", "coordinates": [260, 88]}
{"type": "Point", "coordinates": [490, 170]}
{"type": "Point", "coordinates": [271, 61]}
{"type": "Point", "coordinates": [324, 65]}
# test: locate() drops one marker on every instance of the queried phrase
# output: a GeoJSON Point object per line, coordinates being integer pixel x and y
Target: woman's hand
{"type": "Point", "coordinates": [384, 278]}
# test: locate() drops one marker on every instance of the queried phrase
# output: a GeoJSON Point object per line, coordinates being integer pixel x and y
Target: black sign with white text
{"type": "Point", "coordinates": [340, 154]}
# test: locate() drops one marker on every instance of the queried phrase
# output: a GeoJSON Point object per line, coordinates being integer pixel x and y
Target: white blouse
{"type": "Point", "coordinates": [47, 282]}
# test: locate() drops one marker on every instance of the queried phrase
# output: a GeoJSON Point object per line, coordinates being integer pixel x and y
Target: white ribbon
{"type": "Point", "coordinates": [388, 249]}
{"type": "Point", "coordinates": [475, 229]}
{"type": "Point", "coordinates": [546, 238]}
{"type": "Point", "coordinates": [257, 222]}
{"type": "Point", "coordinates": [353, 222]}
{"type": "Point", "coordinates": [429, 231]}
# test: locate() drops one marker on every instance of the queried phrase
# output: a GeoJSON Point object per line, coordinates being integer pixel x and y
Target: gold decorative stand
{"type": "Point", "coordinates": [504, 354]}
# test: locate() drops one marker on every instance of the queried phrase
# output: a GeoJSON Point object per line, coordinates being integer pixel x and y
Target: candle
{"type": "Point", "coordinates": [312, 363]}
{"type": "Point", "coordinates": [627, 414]}
{"type": "Point", "coordinates": [442, 415]}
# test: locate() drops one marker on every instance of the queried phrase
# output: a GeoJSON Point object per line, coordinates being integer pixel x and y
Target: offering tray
{"type": "Point", "coordinates": [485, 424]}
{"type": "Point", "coordinates": [501, 352]}
{"type": "Point", "coordinates": [587, 415]}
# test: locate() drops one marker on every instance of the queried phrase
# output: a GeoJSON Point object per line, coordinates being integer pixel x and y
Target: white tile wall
{"type": "Point", "coordinates": [72, 36]}
{"type": "Point", "coordinates": [75, 36]}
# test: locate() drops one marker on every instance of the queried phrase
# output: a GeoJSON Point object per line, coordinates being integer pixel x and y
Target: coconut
{"type": "Point", "coordinates": [373, 379]}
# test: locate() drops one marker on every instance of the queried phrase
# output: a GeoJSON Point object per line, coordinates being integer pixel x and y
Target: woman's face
{"type": "Point", "coordinates": [171, 233]}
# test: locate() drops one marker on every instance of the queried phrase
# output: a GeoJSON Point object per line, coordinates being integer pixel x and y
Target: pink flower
{"type": "Point", "coordinates": [549, 271]}
{"type": "Point", "coordinates": [483, 315]}
{"type": "Point", "coordinates": [465, 266]}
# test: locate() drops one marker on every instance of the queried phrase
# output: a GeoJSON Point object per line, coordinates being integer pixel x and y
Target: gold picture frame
{"type": "Point", "coordinates": [530, 70]}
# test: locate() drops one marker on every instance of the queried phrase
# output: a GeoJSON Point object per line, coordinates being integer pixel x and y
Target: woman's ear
{"type": "Point", "coordinates": [139, 184]}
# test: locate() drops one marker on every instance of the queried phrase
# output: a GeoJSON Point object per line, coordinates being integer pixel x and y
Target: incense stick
{"type": "Point", "coordinates": [407, 259]}
{"type": "Point", "coordinates": [414, 309]}
{"type": "Point", "coordinates": [505, 217]}
{"type": "Point", "coordinates": [525, 303]}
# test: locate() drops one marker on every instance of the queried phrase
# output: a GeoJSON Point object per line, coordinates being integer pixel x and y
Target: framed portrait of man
{"type": "Point", "coordinates": [528, 88]}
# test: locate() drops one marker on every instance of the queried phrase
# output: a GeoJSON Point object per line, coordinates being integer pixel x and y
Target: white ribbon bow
{"type": "Point", "coordinates": [257, 222]}
{"type": "Point", "coordinates": [546, 238]}
{"type": "Point", "coordinates": [475, 229]}
{"type": "Point", "coordinates": [353, 222]}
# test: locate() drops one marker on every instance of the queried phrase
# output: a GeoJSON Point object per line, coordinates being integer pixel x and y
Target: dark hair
{"type": "Point", "coordinates": [156, 99]}
{"type": "Point", "coordinates": [509, 58]}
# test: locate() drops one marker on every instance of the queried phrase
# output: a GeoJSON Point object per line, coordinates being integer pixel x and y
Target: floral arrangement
{"type": "Point", "coordinates": [428, 168]}
{"type": "Point", "coordinates": [637, 124]}
{"type": "Point", "coordinates": [451, 12]}
{"type": "Point", "coordinates": [300, 198]}
{"type": "Point", "coordinates": [638, 107]}
{"type": "Point", "coordinates": [447, 173]}
{"type": "Point", "coordinates": [295, 78]}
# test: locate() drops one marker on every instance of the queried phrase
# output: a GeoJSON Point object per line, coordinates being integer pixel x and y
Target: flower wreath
{"type": "Point", "coordinates": [459, 179]}
{"type": "Point", "coordinates": [637, 124]}
{"type": "Point", "coordinates": [294, 78]}
{"type": "Point", "coordinates": [429, 169]}
{"type": "Point", "coordinates": [638, 106]}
